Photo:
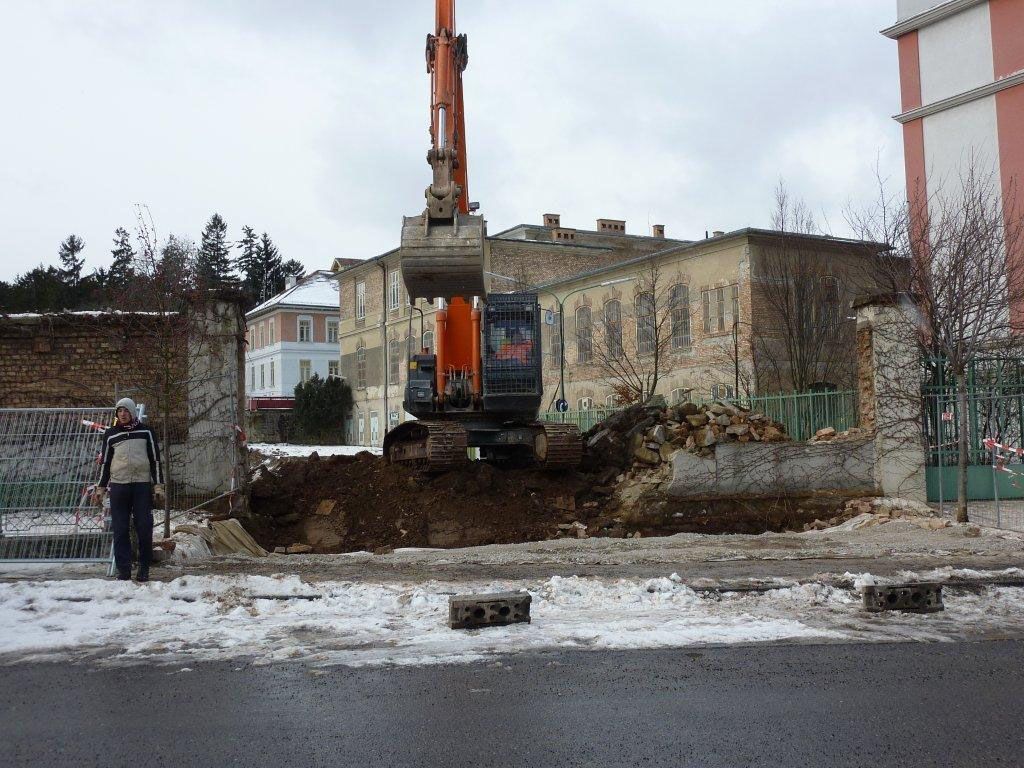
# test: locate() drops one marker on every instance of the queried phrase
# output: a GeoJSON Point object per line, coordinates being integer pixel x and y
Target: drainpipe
{"type": "Point", "coordinates": [384, 339]}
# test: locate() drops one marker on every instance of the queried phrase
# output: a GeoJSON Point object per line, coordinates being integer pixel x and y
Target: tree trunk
{"type": "Point", "coordinates": [963, 448]}
{"type": "Point", "coordinates": [166, 457]}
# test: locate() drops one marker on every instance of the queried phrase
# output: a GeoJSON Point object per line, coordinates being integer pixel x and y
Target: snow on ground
{"type": "Point", "coordinates": [195, 618]}
{"type": "Point", "coordinates": [287, 449]}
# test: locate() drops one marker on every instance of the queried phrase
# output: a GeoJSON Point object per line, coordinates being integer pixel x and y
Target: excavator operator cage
{"type": "Point", "coordinates": [512, 353]}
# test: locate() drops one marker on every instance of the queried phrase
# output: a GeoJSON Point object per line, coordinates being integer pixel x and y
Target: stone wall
{"type": "Point", "coordinates": [773, 469]}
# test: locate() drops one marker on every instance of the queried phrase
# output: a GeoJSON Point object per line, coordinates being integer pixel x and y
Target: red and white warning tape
{"type": "Point", "coordinates": [992, 445]}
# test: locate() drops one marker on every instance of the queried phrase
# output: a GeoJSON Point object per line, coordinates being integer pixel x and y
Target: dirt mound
{"type": "Point", "coordinates": [346, 503]}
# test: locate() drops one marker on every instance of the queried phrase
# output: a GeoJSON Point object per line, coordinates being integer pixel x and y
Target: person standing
{"type": "Point", "coordinates": [132, 474]}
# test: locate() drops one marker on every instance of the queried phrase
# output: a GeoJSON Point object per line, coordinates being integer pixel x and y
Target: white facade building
{"type": "Point", "coordinates": [291, 337]}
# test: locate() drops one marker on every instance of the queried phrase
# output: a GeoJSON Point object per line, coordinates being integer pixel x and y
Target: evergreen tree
{"type": "Point", "coordinates": [293, 268]}
{"type": "Point", "coordinates": [321, 406]}
{"type": "Point", "coordinates": [214, 262]}
{"type": "Point", "coordinates": [123, 267]}
{"type": "Point", "coordinates": [247, 263]}
{"type": "Point", "coordinates": [174, 270]}
{"type": "Point", "coordinates": [270, 269]}
{"type": "Point", "coordinates": [71, 262]}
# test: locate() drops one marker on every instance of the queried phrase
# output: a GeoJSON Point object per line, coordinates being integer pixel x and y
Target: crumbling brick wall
{"type": "Point", "coordinates": [64, 360]}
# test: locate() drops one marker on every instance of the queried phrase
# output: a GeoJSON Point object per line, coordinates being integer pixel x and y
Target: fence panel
{"type": "Point", "coordinates": [49, 460]}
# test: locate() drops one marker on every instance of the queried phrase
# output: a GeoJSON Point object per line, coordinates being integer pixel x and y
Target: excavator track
{"type": "Point", "coordinates": [436, 446]}
{"type": "Point", "coordinates": [558, 445]}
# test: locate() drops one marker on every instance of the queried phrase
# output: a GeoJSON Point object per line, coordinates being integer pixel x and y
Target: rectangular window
{"type": "Point", "coordinates": [360, 367]}
{"type": "Point", "coordinates": [271, 373]}
{"type": "Point", "coordinates": [584, 336]}
{"type": "Point", "coordinates": [263, 383]}
{"type": "Point", "coordinates": [260, 334]}
{"type": "Point", "coordinates": [556, 337]}
{"type": "Point", "coordinates": [252, 377]}
{"type": "Point", "coordinates": [394, 361]}
{"type": "Point", "coordinates": [333, 369]}
{"type": "Point", "coordinates": [305, 370]}
{"type": "Point", "coordinates": [362, 429]}
{"type": "Point", "coordinates": [332, 330]}
{"type": "Point", "coordinates": [273, 333]}
{"type": "Point", "coordinates": [680, 299]}
{"type": "Point", "coordinates": [360, 301]}
{"type": "Point", "coordinates": [394, 289]}
{"type": "Point", "coordinates": [374, 427]}
{"type": "Point", "coordinates": [721, 308]}
{"type": "Point", "coordinates": [305, 329]}
{"type": "Point", "coordinates": [646, 327]}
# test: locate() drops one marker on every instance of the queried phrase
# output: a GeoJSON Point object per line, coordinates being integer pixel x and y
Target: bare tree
{"type": "Point", "coordinates": [802, 336]}
{"type": "Point", "coordinates": [630, 340]}
{"type": "Point", "coordinates": [957, 251]}
{"type": "Point", "coordinates": [170, 333]}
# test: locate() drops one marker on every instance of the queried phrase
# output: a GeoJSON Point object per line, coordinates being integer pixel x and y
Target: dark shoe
{"type": "Point", "coordinates": [143, 574]}
{"type": "Point", "coordinates": [124, 575]}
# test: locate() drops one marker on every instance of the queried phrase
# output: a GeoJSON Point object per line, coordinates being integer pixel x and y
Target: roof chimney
{"type": "Point", "coordinates": [552, 220]}
{"type": "Point", "coordinates": [291, 281]}
{"type": "Point", "coordinates": [658, 230]}
{"type": "Point", "coordinates": [618, 226]}
{"type": "Point", "coordinates": [718, 233]}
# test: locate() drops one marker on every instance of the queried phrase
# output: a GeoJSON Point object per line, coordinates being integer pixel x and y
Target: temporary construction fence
{"type": "Point", "coordinates": [802, 413]}
{"type": "Point", "coordinates": [49, 464]}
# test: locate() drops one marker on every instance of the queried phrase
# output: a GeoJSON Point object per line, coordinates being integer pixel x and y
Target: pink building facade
{"type": "Point", "coordinates": [962, 84]}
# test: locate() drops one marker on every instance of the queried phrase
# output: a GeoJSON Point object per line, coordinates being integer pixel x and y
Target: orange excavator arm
{"type": "Point", "coordinates": [447, 57]}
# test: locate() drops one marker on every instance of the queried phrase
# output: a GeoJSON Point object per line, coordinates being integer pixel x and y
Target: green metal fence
{"type": "Point", "coordinates": [803, 413]}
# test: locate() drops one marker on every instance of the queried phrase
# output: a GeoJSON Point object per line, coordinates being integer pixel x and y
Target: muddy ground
{"type": "Point", "coordinates": [352, 503]}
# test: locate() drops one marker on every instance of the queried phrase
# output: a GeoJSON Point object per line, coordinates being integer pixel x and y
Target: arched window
{"type": "Point", "coordinates": [428, 341]}
{"type": "Point", "coordinates": [680, 305]}
{"type": "Point", "coordinates": [585, 403]}
{"type": "Point", "coordinates": [394, 361]}
{"type": "Point", "coordinates": [412, 345]}
{"type": "Point", "coordinates": [360, 368]}
{"type": "Point", "coordinates": [613, 328]}
{"type": "Point", "coordinates": [584, 336]}
{"type": "Point", "coordinates": [646, 329]}
{"type": "Point", "coordinates": [556, 337]}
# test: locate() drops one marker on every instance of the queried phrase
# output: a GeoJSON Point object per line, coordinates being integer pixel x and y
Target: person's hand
{"type": "Point", "coordinates": [158, 492]}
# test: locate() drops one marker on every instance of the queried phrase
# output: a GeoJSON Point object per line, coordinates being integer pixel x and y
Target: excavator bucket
{"type": "Point", "coordinates": [443, 259]}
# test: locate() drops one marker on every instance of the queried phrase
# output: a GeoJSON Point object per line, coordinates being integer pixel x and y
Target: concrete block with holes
{"type": "Point", "coordinates": [489, 610]}
{"type": "Point", "coordinates": [914, 598]}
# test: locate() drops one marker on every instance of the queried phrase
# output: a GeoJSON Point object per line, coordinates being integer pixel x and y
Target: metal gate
{"type": "Point", "coordinates": [49, 462]}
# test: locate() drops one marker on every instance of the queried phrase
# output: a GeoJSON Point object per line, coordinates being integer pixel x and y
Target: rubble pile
{"type": "Point", "coordinates": [871, 511]}
{"type": "Point", "coordinates": [649, 435]}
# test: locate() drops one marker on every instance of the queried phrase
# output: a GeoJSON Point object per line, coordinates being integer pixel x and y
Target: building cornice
{"type": "Point", "coordinates": [925, 18]}
{"type": "Point", "coordinates": [961, 98]}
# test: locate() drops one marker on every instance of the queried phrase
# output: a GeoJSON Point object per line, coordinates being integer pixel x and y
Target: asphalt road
{"type": "Point", "coordinates": [830, 705]}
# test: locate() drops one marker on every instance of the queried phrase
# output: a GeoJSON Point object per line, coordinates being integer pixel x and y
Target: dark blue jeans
{"type": "Point", "coordinates": [130, 501]}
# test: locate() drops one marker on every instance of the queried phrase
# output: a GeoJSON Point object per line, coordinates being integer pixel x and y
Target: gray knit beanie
{"type": "Point", "coordinates": [127, 402]}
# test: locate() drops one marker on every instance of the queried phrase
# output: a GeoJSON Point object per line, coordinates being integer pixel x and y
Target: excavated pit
{"type": "Point", "coordinates": [352, 503]}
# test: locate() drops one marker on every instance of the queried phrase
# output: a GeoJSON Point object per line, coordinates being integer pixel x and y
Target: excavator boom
{"type": "Point", "coordinates": [443, 247]}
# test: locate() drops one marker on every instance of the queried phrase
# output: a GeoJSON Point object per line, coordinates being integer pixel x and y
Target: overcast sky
{"type": "Point", "coordinates": [308, 119]}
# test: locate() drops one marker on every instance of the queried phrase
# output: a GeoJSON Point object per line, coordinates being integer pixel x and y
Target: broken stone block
{"type": "Point", "coordinates": [299, 549]}
{"type": "Point", "coordinates": [280, 550]}
{"type": "Point", "coordinates": [659, 434]}
{"type": "Point", "coordinates": [646, 455]}
{"type": "Point", "coordinates": [772, 434]}
{"type": "Point", "coordinates": [697, 420]}
{"type": "Point", "coordinates": [737, 429]}
{"type": "Point", "coordinates": [825, 434]}
{"type": "Point", "coordinates": [599, 438]}
{"type": "Point", "coordinates": [723, 420]}
{"type": "Point", "coordinates": [666, 451]}
{"type": "Point", "coordinates": [325, 507]}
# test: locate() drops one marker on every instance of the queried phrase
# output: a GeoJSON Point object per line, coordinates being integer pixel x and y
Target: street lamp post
{"type": "Point", "coordinates": [561, 318]}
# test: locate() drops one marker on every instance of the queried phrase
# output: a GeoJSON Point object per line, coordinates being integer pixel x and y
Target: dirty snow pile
{"type": "Point", "coordinates": [266, 619]}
